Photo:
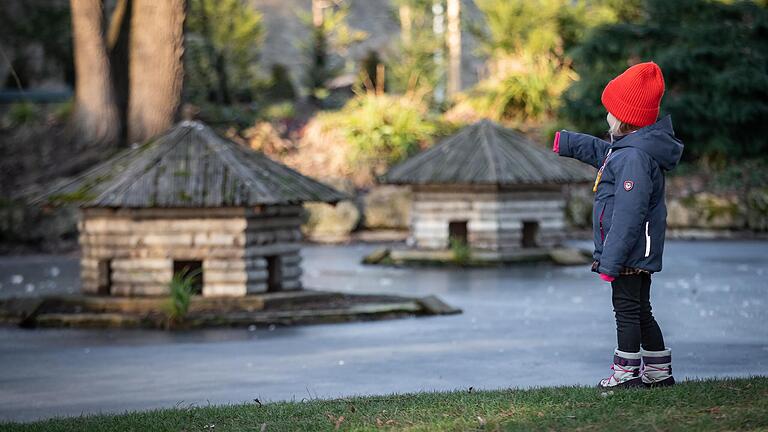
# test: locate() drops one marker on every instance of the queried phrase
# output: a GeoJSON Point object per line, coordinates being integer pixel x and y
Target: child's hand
{"type": "Point", "coordinates": [607, 278]}
{"type": "Point", "coordinates": [556, 144]}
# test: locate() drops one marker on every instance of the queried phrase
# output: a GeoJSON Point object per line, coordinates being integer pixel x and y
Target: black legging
{"type": "Point", "coordinates": [634, 320]}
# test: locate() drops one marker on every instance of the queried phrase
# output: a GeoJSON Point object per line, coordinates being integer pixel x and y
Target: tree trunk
{"type": "Point", "coordinates": [156, 68]}
{"type": "Point", "coordinates": [405, 23]}
{"type": "Point", "coordinates": [453, 41]}
{"type": "Point", "coordinates": [438, 57]}
{"type": "Point", "coordinates": [118, 39]}
{"type": "Point", "coordinates": [96, 118]}
{"type": "Point", "coordinates": [317, 12]}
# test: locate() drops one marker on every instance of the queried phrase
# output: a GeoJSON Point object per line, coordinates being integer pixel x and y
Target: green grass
{"type": "Point", "coordinates": [725, 404]}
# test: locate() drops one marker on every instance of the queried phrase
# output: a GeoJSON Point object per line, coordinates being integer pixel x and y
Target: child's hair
{"type": "Point", "coordinates": [617, 127]}
{"type": "Point", "coordinates": [626, 128]}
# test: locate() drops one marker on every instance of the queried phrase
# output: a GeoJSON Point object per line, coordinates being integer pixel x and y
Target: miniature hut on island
{"type": "Point", "coordinates": [489, 188]}
{"type": "Point", "coordinates": [192, 200]}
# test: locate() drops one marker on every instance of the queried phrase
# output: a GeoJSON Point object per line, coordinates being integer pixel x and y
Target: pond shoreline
{"type": "Point", "coordinates": [377, 237]}
{"type": "Point", "coordinates": [281, 308]}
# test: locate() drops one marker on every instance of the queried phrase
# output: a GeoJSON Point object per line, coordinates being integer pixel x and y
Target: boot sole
{"type": "Point", "coordinates": [667, 382]}
{"type": "Point", "coordinates": [632, 383]}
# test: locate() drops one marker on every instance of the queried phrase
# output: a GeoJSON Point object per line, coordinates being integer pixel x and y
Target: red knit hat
{"type": "Point", "coordinates": [634, 96]}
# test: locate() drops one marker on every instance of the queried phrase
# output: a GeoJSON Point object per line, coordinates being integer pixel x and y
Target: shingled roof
{"type": "Point", "coordinates": [189, 166]}
{"type": "Point", "coordinates": [486, 153]}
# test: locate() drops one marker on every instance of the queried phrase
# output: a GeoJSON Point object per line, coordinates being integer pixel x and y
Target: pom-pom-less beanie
{"type": "Point", "coordinates": [634, 96]}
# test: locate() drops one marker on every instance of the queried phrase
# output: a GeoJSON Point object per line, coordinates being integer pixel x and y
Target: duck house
{"type": "Point", "coordinates": [190, 201]}
{"type": "Point", "coordinates": [487, 187]}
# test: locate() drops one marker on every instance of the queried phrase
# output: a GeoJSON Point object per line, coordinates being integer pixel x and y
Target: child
{"type": "Point", "coordinates": [629, 216]}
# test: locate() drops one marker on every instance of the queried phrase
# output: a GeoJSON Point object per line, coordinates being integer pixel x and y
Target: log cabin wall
{"type": "Point", "coordinates": [495, 217]}
{"type": "Point", "coordinates": [545, 208]}
{"type": "Point", "coordinates": [433, 210]}
{"type": "Point", "coordinates": [272, 252]}
{"type": "Point", "coordinates": [132, 251]}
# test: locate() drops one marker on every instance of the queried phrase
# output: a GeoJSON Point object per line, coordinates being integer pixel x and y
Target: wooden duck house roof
{"type": "Point", "coordinates": [189, 166]}
{"type": "Point", "coordinates": [486, 153]}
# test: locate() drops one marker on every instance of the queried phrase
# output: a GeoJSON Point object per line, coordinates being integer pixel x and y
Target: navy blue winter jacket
{"type": "Point", "coordinates": [629, 217]}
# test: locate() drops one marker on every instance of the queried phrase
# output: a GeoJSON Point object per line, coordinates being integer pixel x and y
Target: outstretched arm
{"type": "Point", "coordinates": [583, 147]}
{"type": "Point", "coordinates": [630, 209]}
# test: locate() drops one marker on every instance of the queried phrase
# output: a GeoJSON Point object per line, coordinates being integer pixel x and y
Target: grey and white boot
{"type": "Point", "coordinates": [626, 371]}
{"type": "Point", "coordinates": [657, 368]}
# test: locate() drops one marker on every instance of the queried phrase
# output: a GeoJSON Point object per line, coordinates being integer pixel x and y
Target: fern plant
{"type": "Point", "coordinates": [181, 291]}
{"type": "Point", "coordinates": [461, 251]}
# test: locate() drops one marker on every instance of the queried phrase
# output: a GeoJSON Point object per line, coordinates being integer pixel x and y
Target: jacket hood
{"type": "Point", "coordinates": [658, 140]}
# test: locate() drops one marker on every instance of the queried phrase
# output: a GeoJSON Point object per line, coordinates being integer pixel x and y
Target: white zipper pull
{"type": "Point", "coordinates": [647, 240]}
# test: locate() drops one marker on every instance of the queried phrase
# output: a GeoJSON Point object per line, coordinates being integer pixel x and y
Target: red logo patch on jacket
{"type": "Point", "coordinates": [628, 185]}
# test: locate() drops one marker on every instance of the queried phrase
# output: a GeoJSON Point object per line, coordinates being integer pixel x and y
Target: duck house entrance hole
{"type": "Point", "coordinates": [274, 274]}
{"type": "Point", "coordinates": [105, 277]}
{"type": "Point", "coordinates": [530, 233]}
{"type": "Point", "coordinates": [193, 268]}
{"type": "Point", "coordinates": [457, 232]}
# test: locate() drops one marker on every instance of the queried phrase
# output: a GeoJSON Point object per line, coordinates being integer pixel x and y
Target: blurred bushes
{"type": "Point", "coordinates": [518, 89]}
{"type": "Point", "coordinates": [325, 51]}
{"type": "Point", "coordinates": [382, 129]}
{"type": "Point", "coordinates": [280, 87]}
{"type": "Point", "coordinates": [714, 56]}
{"type": "Point", "coordinates": [413, 66]}
{"type": "Point", "coordinates": [22, 113]}
{"type": "Point", "coordinates": [222, 49]}
{"type": "Point", "coordinates": [528, 67]}
{"type": "Point", "coordinates": [33, 29]}
{"type": "Point", "coordinates": [364, 138]}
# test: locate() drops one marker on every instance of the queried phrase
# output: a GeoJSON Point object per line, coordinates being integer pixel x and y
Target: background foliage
{"type": "Point", "coordinates": [413, 65]}
{"type": "Point", "coordinates": [325, 51]}
{"type": "Point", "coordinates": [714, 56]}
{"type": "Point", "coordinates": [527, 43]}
{"type": "Point", "coordinates": [383, 129]}
{"type": "Point", "coordinates": [222, 49]}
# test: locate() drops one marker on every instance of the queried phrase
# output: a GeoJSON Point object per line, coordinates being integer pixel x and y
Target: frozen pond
{"type": "Point", "coordinates": [517, 324]}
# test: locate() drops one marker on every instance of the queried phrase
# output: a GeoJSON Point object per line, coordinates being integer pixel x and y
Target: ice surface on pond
{"type": "Point", "coordinates": [712, 313]}
{"type": "Point", "coordinates": [38, 275]}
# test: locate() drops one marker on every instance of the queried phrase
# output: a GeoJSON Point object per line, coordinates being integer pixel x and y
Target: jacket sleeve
{"type": "Point", "coordinates": [583, 147]}
{"type": "Point", "coordinates": [632, 197]}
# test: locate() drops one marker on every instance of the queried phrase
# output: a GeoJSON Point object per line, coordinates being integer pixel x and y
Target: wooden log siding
{"type": "Point", "coordinates": [494, 218]}
{"type": "Point", "coordinates": [231, 243]}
